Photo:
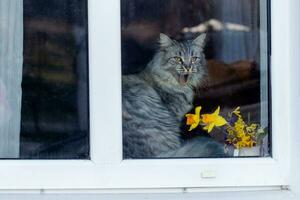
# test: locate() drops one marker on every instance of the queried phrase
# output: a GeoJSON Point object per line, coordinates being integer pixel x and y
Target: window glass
{"type": "Point", "coordinates": [44, 90]}
{"type": "Point", "coordinates": [55, 80]}
{"type": "Point", "coordinates": [195, 79]}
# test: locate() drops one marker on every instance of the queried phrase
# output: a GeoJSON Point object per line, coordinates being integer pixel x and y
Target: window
{"type": "Point", "coordinates": [44, 96]}
{"type": "Point", "coordinates": [103, 165]}
{"type": "Point", "coordinates": [195, 79]}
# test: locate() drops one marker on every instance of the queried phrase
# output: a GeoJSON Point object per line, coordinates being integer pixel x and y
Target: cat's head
{"type": "Point", "coordinates": [183, 62]}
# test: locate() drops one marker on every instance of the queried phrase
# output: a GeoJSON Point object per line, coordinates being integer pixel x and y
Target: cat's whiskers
{"type": "Point", "coordinates": [191, 69]}
{"type": "Point", "coordinates": [184, 71]}
{"type": "Point", "coordinates": [184, 68]}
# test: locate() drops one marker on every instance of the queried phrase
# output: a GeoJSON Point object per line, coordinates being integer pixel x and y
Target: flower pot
{"type": "Point", "coordinates": [247, 152]}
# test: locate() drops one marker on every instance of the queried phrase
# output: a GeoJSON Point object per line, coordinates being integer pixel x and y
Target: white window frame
{"type": "Point", "coordinates": [107, 170]}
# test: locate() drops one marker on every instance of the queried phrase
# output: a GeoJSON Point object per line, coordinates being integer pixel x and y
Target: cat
{"type": "Point", "coordinates": [155, 101]}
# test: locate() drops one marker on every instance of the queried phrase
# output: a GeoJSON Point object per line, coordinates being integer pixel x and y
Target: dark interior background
{"type": "Point", "coordinates": [232, 49]}
{"type": "Point", "coordinates": [55, 121]}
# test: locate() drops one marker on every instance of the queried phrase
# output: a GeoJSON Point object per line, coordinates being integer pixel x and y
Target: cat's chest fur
{"type": "Point", "coordinates": [151, 116]}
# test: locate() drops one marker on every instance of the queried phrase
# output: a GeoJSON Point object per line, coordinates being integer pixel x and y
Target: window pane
{"type": "Point", "coordinates": [55, 80]}
{"type": "Point", "coordinates": [195, 78]}
{"type": "Point", "coordinates": [49, 100]}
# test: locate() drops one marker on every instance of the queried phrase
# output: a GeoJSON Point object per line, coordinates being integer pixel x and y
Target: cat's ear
{"type": "Point", "coordinates": [200, 40]}
{"type": "Point", "coordinates": [165, 41]}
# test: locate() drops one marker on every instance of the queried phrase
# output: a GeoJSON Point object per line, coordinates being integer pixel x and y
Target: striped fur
{"type": "Point", "coordinates": [155, 101]}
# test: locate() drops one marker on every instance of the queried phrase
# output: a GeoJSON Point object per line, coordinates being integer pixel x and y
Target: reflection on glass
{"type": "Point", "coordinates": [54, 115]}
{"type": "Point", "coordinates": [195, 79]}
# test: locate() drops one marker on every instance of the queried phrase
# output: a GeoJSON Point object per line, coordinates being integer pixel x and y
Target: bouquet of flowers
{"type": "Point", "coordinates": [237, 132]}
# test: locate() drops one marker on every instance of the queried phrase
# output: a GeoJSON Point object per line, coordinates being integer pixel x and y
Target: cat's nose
{"type": "Point", "coordinates": [188, 67]}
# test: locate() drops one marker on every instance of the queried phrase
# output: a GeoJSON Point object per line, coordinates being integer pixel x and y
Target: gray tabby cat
{"type": "Point", "coordinates": [156, 100]}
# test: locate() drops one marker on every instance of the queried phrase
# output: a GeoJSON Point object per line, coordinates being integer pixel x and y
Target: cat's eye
{"type": "Point", "coordinates": [194, 60]}
{"type": "Point", "coordinates": [178, 59]}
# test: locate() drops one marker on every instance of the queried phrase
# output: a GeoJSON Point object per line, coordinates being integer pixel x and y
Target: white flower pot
{"type": "Point", "coordinates": [247, 152]}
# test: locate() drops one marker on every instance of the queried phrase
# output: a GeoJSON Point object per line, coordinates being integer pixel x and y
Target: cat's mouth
{"type": "Point", "coordinates": [183, 78]}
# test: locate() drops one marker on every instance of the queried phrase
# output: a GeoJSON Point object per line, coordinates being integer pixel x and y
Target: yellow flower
{"type": "Point", "coordinates": [212, 120]}
{"type": "Point", "coordinates": [237, 112]}
{"type": "Point", "coordinates": [245, 141]}
{"type": "Point", "coordinates": [241, 135]}
{"type": "Point", "coordinates": [193, 120]}
{"type": "Point", "coordinates": [251, 129]}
